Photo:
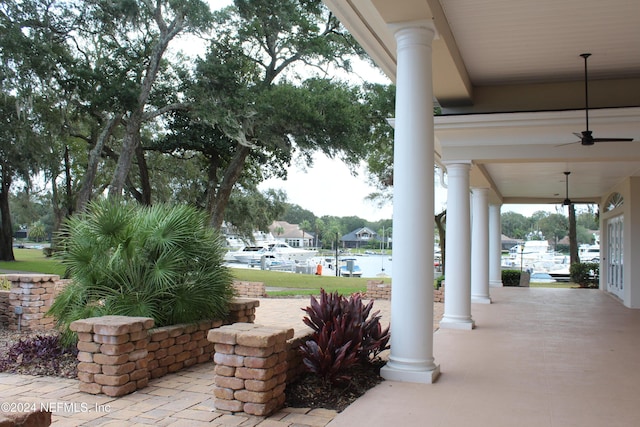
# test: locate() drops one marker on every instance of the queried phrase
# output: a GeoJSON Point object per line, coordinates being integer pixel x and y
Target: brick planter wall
{"type": "Point", "coordinates": [4, 308]}
{"type": "Point", "coordinates": [172, 348]}
{"type": "Point", "coordinates": [175, 347]}
{"type": "Point", "coordinates": [251, 368]}
{"type": "Point", "coordinates": [295, 366]}
{"type": "Point", "coordinates": [34, 293]}
{"type": "Point", "coordinates": [377, 289]}
{"type": "Point", "coordinates": [250, 289]}
{"type": "Point", "coordinates": [118, 354]}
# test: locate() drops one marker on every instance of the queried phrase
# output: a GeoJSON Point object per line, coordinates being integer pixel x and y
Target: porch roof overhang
{"type": "Point", "coordinates": [510, 81]}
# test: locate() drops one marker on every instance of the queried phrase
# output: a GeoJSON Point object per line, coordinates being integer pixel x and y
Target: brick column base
{"type": "Point", "coordinates": [112, 351]}
{"type": "Point", "coordinates": [251, 368]}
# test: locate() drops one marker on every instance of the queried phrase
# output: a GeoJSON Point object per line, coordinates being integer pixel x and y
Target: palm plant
{"type": "Point", "coordinates": [161, 262]}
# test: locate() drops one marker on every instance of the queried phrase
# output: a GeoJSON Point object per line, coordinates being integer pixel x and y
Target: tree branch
{"type": "Point", "coordinates": [167, 108]}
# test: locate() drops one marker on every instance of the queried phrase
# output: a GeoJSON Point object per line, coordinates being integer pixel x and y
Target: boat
{"type": "Point", "coordinates": [253, 254]}
{"type": "Point", "coordinates": [290, 253]}
{"type": "Point", "coordinates": [350, 269]}
{"type": "Point", "coordinates": [247, 254]}
{"type": "Point", "coordinates": [273, 262]}
{"type": "Point", "coordinates": [533, 255]}
{"type": "Point", "coordinates": [589, 253]}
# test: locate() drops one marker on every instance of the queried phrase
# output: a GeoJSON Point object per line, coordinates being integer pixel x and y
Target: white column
{"type": "Point", "coordinates": [411, 358]}
{"type": "Point", "coordinates": [480, 247]}
{"type": "Point", "coordinates": [495, 247]}
{"type": "Point", "coordinates": [457, 270]}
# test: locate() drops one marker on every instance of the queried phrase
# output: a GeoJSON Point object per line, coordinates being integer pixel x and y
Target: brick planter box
{"type": "Point", "coordinates": [112, 351]}
{"type": "Point", "coordinates": [251, 368]}
{"type": "Point", "coordinates": [119, 354]}
{"type": "Point", "coordinates": [32, 294]}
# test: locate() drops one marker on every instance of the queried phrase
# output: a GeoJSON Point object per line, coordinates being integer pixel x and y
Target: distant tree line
{"type": "Point", "coordinates": [326, 227]}
{"type": "Point", "coordinates": [553, 227]}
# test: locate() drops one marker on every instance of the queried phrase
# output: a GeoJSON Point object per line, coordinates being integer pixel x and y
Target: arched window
{"type": "Point", "coordinates": [613, 202]}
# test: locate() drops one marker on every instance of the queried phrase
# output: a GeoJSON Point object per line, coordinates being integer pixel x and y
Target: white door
{"type": "Point", "coordinates": [614, 256]}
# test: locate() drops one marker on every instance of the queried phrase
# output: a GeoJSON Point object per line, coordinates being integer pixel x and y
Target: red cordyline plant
{"type": "Point", "coordinates": [345, 333]}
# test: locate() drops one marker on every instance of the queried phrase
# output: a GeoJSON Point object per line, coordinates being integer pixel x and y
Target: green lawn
{"type": "Point", "coordinates": [279, 283]}
{"type": "Point", "coordinates": [283, 284]}
{"type": "Point", "coordinates": [34, 261]}
{"type": "Point", "coordinates": [287, 284]}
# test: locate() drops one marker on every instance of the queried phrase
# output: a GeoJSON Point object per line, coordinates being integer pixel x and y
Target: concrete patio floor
{"type": "Point", "coordinates": [538, 357]}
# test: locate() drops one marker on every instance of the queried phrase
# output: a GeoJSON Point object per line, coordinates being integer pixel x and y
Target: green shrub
{"type": "Point", "coordinates": [438, 282]}
{"type": "Point", "coordinates": [344, 335]}
{"type": "Point", "coordinates": [161, 262]}
{"type": "Point", "coordinates": [511, 277]}
{"type": "Point", "coordinates": [585, 274]}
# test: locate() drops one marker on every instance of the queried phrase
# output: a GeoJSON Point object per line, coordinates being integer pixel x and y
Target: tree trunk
{"type": "Point", "coordinates": [132, 135]}
{"type": "Point", "coordinates": [68, 187]}
{"type": "Point", "coordinates": [573, 240]}
{"type": "Point", "coordinates": [86, 189]}
{"type": "Point", "coordinates": [6, 230]}
{"type": "Point", "coordinates": [145, 185]}
{"type": "Point", "coordinates": [62, 208]}
{"type": "Point", "coordinates": [218, 199]}
{"type": "Point", "coordinates": [130, 143]}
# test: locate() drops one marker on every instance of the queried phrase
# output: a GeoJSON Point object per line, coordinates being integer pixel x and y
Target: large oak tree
{"type": "Point", "coordinates": [253, 108]}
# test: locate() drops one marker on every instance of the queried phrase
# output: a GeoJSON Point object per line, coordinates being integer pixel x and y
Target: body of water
{"type": "Point", "coordinates": [371, 265]}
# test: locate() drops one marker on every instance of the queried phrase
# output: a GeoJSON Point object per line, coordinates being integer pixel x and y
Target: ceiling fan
{"type": "Point", "coordinates": [567, 201]}
{"type": "Point", "coordinates": [586, 136]}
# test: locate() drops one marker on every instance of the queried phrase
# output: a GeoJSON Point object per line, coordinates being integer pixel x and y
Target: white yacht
{"type": "Point", "coordinates": [589, 253]}
{"type": "Point", "coordinates": [281, 250]}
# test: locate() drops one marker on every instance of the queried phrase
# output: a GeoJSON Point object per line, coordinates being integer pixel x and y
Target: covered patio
{"type": "Point", "coordinates": [539, 357]}
{"type": "Point", "coordinates": [530, 94]}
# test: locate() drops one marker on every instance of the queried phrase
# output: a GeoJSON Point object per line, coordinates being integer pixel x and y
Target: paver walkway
{"type": "Point", "coordinates": [181, 399]}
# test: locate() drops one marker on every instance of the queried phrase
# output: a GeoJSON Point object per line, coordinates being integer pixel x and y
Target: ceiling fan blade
{"type": "Point", "coordinates": [567, 143]}
{"type": "Point", "coordinates": [612, 139]}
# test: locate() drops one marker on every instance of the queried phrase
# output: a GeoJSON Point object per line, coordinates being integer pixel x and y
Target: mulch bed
{"type": "Point", "coordinates": [310, 391]}
{"type": "Point", "coordinates": [63, 366]}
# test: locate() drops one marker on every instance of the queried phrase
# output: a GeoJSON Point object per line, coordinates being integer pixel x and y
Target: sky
{"type": "Point", "coordinates": [328, 188]}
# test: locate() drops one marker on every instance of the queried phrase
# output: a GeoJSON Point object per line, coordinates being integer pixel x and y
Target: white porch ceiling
{"type": "Point", "coordinates": [522, 41]}
{"type": "Point", "coordinates": [509, 78]}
